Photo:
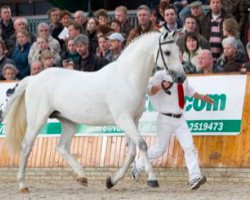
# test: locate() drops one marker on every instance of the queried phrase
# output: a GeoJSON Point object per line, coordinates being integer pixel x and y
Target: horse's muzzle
{"type": "Point", "coordinates": [178, 77]}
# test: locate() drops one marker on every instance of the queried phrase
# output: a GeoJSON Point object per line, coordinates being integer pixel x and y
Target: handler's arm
{"type": "Point", "coordinates": [205, 98]}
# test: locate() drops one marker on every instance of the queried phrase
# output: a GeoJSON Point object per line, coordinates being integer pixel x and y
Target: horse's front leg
{"type": "Point", "coordinates": [111, 181]}
{"type": "Point", "coordinates": [64, 149]}
{"type": "Point", "coordinates": [128, 125]}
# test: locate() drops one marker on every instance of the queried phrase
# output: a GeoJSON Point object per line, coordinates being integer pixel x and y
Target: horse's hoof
{"type": "Point", "coordinates": [82, 181]}
{"type": "Point", "coordinates": [153, 183]}
{"type": "Point", "coordinates": [24, 190]}
{"type": "Point", "coordinates": [109, 184]}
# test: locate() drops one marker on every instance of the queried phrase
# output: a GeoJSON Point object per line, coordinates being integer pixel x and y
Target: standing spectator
{"type": "Point", "coordinates": [144, 23]}
{"type": "Point", "coordinates": [206, 64]}
{"type": "Point", "coordinates": [238, 9]}
{"type": "Point", "coordinates": [230, 29]}
{"type": "Point", "coordinates": [190, 26]}
{"type": "Point", "coordinates": [172, 22]}
{"type": "Point", "coordinates": [6, 23]}
{"type": "Point", "coordinates": [168, 101]}
{"type": "Point", "coordinates": [65, 18]}
{"type": "Point", "coordinates": [211, 27]}
{"type": "Point", "coordinates": [55, 25]}
{"type": "Point", "coordinates": [102, 16]}
{"type": "Point", "coordinates": [21, 52]}
{"type": "Point", "coordinates": [92, 33]}
{"type": "Point", "coordinates": [115, 46]}
{"type": "Point", "coordinates": [122, 16]}
{"type": "Point", "coordinates": [87, 61]}
{"type": "Point", "coordinates": [36, 67]}
{"type": "Point", "coordinates": [191, 51]}
{"type": "Point", "coordinates": [81, 19]}
{"type": "Point", "coordinates": [103, 48]}
{"type": "Point", "coordinates": [3, 58]}
{"type": "Point", "coordinates": [196, 9]}
{"type": "Point", "coordinates": [231, 60]}
{"type": "Point", "coordinates": [9, 72]}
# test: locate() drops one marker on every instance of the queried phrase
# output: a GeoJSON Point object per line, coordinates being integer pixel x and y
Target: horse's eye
{"type": "Point", "coordinates": [167, 53]}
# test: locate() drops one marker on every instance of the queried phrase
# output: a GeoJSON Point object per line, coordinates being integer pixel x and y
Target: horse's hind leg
{"type": "Point", "coordinates": [63, 148]}
{"type": "Point", "coordinates": [111, 181]}
{"type": "Point", "coordinates": [26, 147]}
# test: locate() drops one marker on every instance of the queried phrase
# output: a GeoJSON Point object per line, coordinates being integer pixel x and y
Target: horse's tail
{"type": "Point", "coordinates": [15, 119]}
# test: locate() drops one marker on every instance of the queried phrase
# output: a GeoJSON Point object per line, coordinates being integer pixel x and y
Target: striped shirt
{"type": "Point", "coordinates": [216, 38]}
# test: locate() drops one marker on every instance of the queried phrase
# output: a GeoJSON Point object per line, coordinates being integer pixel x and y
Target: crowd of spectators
{"type": "Point", "coordinates": [210, 41]}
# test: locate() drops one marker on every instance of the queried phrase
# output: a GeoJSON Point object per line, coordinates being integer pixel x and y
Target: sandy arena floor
{"type": "Point", "coordinates": [125, 190]}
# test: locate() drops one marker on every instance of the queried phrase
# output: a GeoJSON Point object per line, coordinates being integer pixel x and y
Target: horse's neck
{"type": "Point", "coordinates": [139, 64]}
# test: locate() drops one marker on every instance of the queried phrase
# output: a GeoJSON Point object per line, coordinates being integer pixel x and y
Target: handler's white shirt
{"type": "Point", "coordinates": [163, 102]}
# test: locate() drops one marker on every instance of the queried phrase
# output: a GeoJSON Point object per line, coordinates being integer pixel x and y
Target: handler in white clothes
{"type": "Point", "coordinates": [165, 97]}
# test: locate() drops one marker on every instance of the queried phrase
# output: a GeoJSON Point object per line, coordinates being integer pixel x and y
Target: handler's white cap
{"type": "Point", "coordinates": [116, 36]}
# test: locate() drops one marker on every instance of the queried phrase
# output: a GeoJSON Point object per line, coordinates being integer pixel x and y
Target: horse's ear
{"type": "Point", "coordinates": [165, 35]}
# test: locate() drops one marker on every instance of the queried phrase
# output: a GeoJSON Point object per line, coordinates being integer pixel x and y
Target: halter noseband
{"type": "Point", "coordinates": [161, 52]}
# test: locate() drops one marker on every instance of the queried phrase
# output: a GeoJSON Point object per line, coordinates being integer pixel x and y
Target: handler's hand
{"type": "Point", "coordinates": [207, 99]}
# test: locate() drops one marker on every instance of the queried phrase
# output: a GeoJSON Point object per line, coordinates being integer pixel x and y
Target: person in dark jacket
{"type": "Point", "coordinates": [20, 54]}
{"type": "Point", "coordinates": [87, 61]}
{"type": "Point", "coordinates": [6, 23]}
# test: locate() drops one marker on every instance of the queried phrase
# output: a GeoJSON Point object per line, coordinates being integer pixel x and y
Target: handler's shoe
{"type": "Point", "coordinates": [136, 173]}
{"type": "Point", "coordinates": [197, 182]}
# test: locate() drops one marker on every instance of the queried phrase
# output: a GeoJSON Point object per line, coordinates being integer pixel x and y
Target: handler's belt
{"type": "Point", "coordinates": [172, 115]}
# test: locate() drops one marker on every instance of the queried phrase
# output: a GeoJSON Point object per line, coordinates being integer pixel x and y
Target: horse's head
{"type": "Point", "coordinates": [168, 57]}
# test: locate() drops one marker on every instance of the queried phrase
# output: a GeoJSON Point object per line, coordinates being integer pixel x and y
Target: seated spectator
{"type": "Point", "coordinates": [81, 19]}
{"type": "Point", "coordinates": [191, 51]}
{"type": "Point", "coordinates": [35, 54]}
{"type": "Point", "coordinates": [231, 60]}
{"type": "Point", "coordinates": [103, 30]}
{"type": "Point", "coordinates": [115, 46]}
{"type": "Point", "coordinates": [194, 8]}
{"type": "Point", "coordinates": [87, 61]}
{"type": "Point", "coordinates": [115, 25]}
{"type": "Point", "coordinates": [246, 65]}
{"type": "Point", "coordinates": [20, 24]}
{"type": "Point", "coordinates": [47, 59]}
{"type": "Point", "coordinates": [206, 64]}
{"type": "Point", "coordinates": [53, 44]}
{"type": "Point", "coordinates": [9, 72]}
{"type": "Point", "coordinates": [3, 58]}
{"type": "Point", "coordinates": [70, 54]}
{"type": "Point", "coordinates": [102, 16]}
{"type": "Point", "coordinates": [230, 29]}
{"type": "Point", "coordinates": [103, 48]}
{"type": "Point", "coordinates": [68, 64]}
{"type": "Point", "coordinates": [20, 54]}
{"type": "Point", "coordinates": [36, 67]}
{"type": "Point", "coordinates": [191, 25]}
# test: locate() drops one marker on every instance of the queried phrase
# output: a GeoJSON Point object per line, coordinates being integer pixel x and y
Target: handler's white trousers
{"type": "Point", "coordinates": [166, 126]}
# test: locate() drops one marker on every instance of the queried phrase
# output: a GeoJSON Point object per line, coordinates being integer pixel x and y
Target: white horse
{"type": "Point", "coordinates": [112, 95]}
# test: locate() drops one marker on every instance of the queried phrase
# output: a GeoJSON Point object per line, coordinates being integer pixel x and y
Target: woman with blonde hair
{"type": "Point", "coordinates": [231, 29]}
{"type": "Point", "coordinates": [21, 52]}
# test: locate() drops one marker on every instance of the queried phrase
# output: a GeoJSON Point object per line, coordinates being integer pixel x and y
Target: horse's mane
{"type": "Point", "coordinates": [142, 37]}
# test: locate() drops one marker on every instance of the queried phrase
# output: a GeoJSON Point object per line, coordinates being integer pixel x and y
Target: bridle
{"type": "Point", "coordinates": [160, 52]}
